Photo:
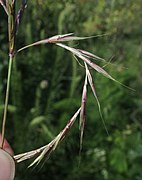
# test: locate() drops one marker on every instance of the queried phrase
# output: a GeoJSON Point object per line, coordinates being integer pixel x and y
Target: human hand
{"type": "Point", "coordinates": [7, 164]}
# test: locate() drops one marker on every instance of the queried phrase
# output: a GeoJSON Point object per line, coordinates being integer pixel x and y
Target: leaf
{"type": "Point", "coordinates": [118, 161]}
{"type": "Point", "coordinates": [11, 108]}
{"type": "Point", "coordinates": [47, 132]}
{"type": "Point", "coordinates": [37, 120]}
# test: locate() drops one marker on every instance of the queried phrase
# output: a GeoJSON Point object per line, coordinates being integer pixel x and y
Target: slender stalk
{"type": "Point", "coordinates": [3, 5]}
{"type": "Point", "coordinates": [6, 99]}
{"type": "Point", "coordinates": [11, 34]}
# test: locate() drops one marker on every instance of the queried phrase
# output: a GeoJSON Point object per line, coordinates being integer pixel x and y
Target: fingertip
{"type": "Point", "coordinates": [7, 166]}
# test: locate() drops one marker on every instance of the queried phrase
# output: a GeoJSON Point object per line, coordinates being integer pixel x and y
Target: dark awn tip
{"type": "Point", "coordinates": [24, 2]}
{"type": "Point", "coordinates": [20, 14]}
{"type": "Point", "coordinates": [3, 2]}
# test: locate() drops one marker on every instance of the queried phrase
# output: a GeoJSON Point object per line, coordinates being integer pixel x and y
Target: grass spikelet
{"type": "Point", "coordinates": [20, 14]}
{"type": "Point", "coordinates": [95, 95]}
{"type": "Point", "coordinates": [79, 53]}
{"type": "Point", "coordinates": [49, 148]}
{"type": "Point", "coordinates": [59, 38]}
{"type": "Point", "coordinates": [83, 111]}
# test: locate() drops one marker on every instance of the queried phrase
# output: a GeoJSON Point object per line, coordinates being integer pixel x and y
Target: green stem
{"type": "Point", "coordinates": [6, 100]}
{"type": "Point", "coordinates": [11, 19]}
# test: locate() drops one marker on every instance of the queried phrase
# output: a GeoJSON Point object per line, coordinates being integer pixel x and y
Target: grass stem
{"type": "Point", "coordinates": [6, 100]}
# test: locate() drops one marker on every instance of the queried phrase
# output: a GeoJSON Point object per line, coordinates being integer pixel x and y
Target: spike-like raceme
{"type": "Point", "coordinates": [13, 26]}
{"type": "Point", "coordinates": [85, 56]}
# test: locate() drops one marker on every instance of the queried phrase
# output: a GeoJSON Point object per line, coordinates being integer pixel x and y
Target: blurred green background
{"type": "Point", "coordinates": [47, 85]}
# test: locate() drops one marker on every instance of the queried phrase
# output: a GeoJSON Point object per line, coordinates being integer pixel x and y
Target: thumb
{"type": "Point", "coordinates": [7, 166]}
{"type": "Point", "coordinates": [6, 146]}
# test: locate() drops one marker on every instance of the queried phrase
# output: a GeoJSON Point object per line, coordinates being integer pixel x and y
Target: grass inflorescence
{"type": "Point", "coordinates": [88, 59]}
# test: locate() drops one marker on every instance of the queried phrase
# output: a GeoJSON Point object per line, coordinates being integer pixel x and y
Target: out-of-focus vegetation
{"type": "Point", "coordinates": [47, 83]}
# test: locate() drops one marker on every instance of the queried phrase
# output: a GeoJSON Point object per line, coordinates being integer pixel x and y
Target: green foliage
{"type": "Point", "coordinates": [47, 84]}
